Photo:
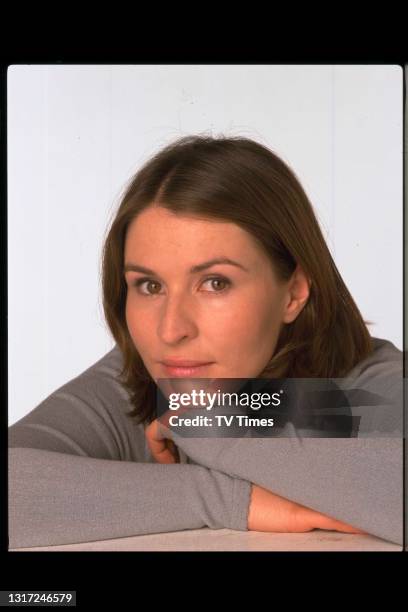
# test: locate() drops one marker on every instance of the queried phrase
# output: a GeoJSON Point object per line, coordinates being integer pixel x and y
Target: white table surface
{"type": "Point", "coordinates": [229, 540]}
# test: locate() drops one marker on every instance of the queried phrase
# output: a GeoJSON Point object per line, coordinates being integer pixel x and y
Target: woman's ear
{"type": "Point", "coordinates": [297, 294]}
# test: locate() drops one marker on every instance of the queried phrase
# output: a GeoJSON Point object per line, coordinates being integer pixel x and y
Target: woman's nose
{"type": "Point", "coordinates": [177, 320]}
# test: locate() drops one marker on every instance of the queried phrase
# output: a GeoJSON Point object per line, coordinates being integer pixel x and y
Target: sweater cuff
{"type": "Point", "coordinates": [241, 497]}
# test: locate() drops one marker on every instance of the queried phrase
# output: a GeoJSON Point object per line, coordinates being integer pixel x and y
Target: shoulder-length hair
{"type": "Point", "coordinates": [241, 181]}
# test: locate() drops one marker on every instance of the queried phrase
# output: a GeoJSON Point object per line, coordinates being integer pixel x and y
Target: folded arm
{"type": "Point", "coordinates": [80, 470]}
{"type": "Point", "coordinates": [59, 498]}
{"type": "Point", "coordinates": [358, 481]}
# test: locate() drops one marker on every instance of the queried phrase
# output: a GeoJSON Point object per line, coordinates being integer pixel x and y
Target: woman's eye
{"type": "Point", "coordinates": [150, 287]}
{"type": "Point", "coordinates": [217, 284]}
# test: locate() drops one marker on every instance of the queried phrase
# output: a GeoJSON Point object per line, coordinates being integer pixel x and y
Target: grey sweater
{"type": "Point", "coordinates": [80, 469]}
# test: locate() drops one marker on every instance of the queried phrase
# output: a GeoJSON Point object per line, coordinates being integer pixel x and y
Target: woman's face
{"type": "Point", "coordinates": [186, 305]}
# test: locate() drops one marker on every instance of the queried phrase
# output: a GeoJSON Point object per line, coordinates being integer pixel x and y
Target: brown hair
{"type": "Point", "coordinates": [241, 181]}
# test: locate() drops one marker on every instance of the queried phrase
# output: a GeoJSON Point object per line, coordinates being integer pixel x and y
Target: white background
{"type": "Point", "coordinates": [76, 134]}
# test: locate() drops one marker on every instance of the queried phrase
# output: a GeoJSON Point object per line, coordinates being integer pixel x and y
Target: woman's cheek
{"type": "Point", "coordinates": [139, 332]}
{"type": "Point", "coordinates": [229, 328]}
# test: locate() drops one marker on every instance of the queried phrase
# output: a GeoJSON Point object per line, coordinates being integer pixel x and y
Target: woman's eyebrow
{"type": "Point", "coordinates": [131, 267]}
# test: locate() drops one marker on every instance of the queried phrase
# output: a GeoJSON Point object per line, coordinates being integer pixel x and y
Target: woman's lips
{"type": "Point", "coordinates": [184, 371]}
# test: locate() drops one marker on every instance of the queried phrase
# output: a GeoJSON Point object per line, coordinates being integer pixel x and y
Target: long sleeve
{"type": "Point", "coordinates": [358, 480]}
{"type": "Point", "coordinates": [80, 470]}
{"type": "Point", "coordinates": [58, 498]}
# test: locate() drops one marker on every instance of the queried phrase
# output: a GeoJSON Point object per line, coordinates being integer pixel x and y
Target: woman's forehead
{"type": "Point", "coordinates": [159, 228]}
{"type": "Point", "coordinates": [161, 242]}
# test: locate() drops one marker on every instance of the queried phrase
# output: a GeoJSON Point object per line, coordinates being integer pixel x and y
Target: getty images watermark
{"type": "Point", "coordinates": [306, 407]}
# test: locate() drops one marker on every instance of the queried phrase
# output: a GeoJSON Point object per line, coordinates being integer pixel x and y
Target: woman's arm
{"type": "Point", "coordinates": [61, 498]}
{"type": "Point", "coordinates": [358, 481]}
{"type": "Point", "coordinates": [267, 511]}
{"type": "Point", "coordinates": [80, 470]}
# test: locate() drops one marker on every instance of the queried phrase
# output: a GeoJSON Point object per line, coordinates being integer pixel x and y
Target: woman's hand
{"type": "Point", "coordinates": [267, 511]}
{"type": "Point", "coordinates": [270, 512]}
{"type": "Point", "coordinates": [162, 449]}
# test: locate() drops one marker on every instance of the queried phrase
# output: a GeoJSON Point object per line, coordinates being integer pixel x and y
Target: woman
{"type": "Point", "coordinates": [214, 267]}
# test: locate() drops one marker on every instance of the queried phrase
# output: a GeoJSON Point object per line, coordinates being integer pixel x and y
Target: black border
{"type": "Point", "coordinates": [90, 574]}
